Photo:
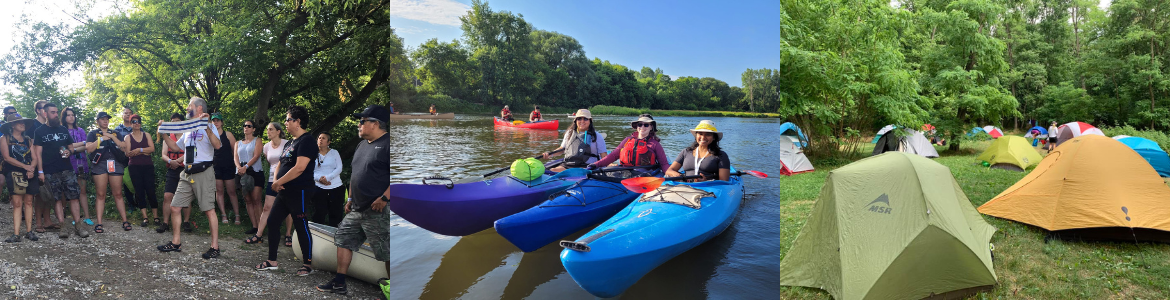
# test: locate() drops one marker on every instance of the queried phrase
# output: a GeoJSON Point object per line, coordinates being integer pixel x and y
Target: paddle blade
{"type": "Point", "coordinates": [642, 184]}
{"type": "Point", "coordinates": [756, 174]}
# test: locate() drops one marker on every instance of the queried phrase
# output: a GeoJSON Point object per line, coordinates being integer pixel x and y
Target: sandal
{"type": "Point", "coordinates": [169, 247]}
{"type": "Point", "coordinates": [40, 230]}
{"type": "Point", "coordinates": [266, 266]}
{"type": "Point", "coordinates": [126, 226]}
{"type": "Point", "coordinates": [98, 228]}
{"type": "Point", "coordinates": [304, 271]}
{"type": "Point", "coordinates": [158, 222]}
{"type": "Point", "coordinates": [288, 241]}
{"type": "Point", "coordinates": [53, 227]}
{"type": "Point", "coordinates": [254, 240]}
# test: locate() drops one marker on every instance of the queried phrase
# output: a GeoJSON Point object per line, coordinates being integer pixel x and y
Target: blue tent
{"type": "Point", "coordinates": [791, 129]}
{"type": "Point", "coordinates": [1150, 151]}
{"type": "Point", "coordinates": [975, 131]}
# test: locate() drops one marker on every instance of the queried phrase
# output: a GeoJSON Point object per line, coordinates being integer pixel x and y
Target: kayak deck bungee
{"type": "Point", "coordinates": [459, 209]}
{"type": "Point", "coordinates": [584, 204]}
{"type": "Point", "coordinates": [548, 125]}
{"type": "Point", "coordinates": [645, 234]}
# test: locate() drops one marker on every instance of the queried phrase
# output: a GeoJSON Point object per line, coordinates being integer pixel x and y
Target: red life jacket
{"type": "Point", "coordinates": [536, 115]}
{"type": "Point", "coordinates": [637, 153]}
{"type": "Point", "coordinates": [174, 155]}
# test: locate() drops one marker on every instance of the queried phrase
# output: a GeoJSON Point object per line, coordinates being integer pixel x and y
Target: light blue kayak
{"type": "Point", "coordinates": [646, 234]}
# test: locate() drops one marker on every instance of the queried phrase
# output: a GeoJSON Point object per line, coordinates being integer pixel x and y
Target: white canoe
{"type": "Point", "coordinates": [363, 266]}
{"type": "Point", "coordinates": [422, 116]}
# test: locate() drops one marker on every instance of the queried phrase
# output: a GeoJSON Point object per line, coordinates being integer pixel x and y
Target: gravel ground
{"type": "Point", "coordinates": [125, 264]}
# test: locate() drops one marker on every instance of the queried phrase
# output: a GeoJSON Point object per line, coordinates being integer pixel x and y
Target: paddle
{"type": "Point", "coordinates": [645, 184]}
{"type": "Point", "coordinates": [473, 178]}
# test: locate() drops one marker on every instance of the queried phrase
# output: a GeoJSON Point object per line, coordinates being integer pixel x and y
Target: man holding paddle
{"type": "Point", "coordinates": [366, 215]}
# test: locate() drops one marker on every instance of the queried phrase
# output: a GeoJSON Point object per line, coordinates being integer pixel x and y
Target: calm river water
{"type": "Point", "coordinates": [741, 263]}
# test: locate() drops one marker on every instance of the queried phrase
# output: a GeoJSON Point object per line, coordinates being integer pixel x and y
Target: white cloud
{"type": "Point", "coordinates": [440, 12]}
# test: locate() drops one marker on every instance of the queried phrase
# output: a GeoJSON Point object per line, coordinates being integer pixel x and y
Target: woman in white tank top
{"type": "Point", "coordinates": [272, 151]}
{"type": "Point", "coordinates": [249, 171]}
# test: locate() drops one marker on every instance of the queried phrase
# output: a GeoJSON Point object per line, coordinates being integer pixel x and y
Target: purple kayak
{"type": "Point", "coordinates": [466, 208]}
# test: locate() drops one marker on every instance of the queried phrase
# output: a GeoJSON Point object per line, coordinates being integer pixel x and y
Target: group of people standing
{"type": "Point", "coordinates": [48, 160]}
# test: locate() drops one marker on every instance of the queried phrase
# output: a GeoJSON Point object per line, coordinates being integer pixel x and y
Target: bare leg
{"type": "Point", "coordinates": [75, 208]}
{"type": "Point", "coordinates": [175, 220]}
{"type": "Point", "coordinates": [268, 200]}
{"type": "Point", "coordinates": [344, 256]}
{"type": "Point", "coordinates": [84, 198]}
{"type": "Point", "coordinates": [214, 228]}
{"type": "Point", "coordinates": [166, 207]}
{"type": "Point", "coordinates": [99, 183]}
{"type": "Point", "coordinates": [28, 212]}
{"type": "Point", "coordinates": [116, 186]}
{"type": "Point", "coordinates": [17, 206]}
{"type": "Point", "coordinates": [231, 192]}
{"type": "Point", "coordinates": [219, 186]}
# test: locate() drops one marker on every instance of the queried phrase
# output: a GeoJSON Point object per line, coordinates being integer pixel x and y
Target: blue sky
{"type": "Point", "coordinates": [717, 39]}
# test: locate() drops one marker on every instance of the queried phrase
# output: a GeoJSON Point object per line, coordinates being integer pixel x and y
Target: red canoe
{"type": "Point", "coordinates": [549, 125]}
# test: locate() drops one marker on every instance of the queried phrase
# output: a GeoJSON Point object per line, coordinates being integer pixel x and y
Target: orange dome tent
{"type": "Point", "coordinates": [1091, 187]}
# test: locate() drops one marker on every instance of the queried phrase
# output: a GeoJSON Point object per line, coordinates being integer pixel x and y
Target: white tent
{"type": "Point", "coordinates": [792, 159]}
{"type": "Point", "coordinates": [914, 142]}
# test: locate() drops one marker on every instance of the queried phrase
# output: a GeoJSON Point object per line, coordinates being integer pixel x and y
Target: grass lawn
{"type": "Point", "coordinates": [1026, 266]}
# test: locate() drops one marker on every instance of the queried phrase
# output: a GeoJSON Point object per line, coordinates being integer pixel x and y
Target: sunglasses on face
{"type": "Point", "coordinates": [247, 125]}
{"type": "Point", "coordinates": [643, 125]}
{"type": "Point", "coordinates": [136, 121]}
{"type": "Point", "coordinates": [288, 119]}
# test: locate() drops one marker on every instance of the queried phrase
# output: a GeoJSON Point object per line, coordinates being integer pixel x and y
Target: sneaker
{"type": "Point", "coordinates": [13, 239]}
{"type": "Point", "coordinates": [89, 222]}
{"type": "Point", "coordinates": [333, 287]}
{"type": "Point", "coordinates": [31, 236]}
{"type": "Point", "coordinates": [384, 284]}
{"type": "Point", "coordinates": [161, 228]}
{"type": "Point", "coordinates": [64, 234]}
{"type": "Point", "coordinates": [170, 247]}
{"type": "Point", "coordinates": [81, 233]}
{"type": "Point", "coordinates": [188, 226]}
{"type": "Point", "coordinates": [211, 253]}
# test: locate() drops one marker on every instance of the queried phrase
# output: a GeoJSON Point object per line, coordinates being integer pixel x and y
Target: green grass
{"type": "Point", "coordinates": [1026, 266]}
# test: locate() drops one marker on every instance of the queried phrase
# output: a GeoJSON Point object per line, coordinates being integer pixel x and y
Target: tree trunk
{"type": "Point", "coordinates": [266, 93]}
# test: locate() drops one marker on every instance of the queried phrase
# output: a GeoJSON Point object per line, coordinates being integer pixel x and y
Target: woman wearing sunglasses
{"type": "Point", "coordinates": [641, 149]}
{"type": "Point", "coordinates": [583, 145]}
{"type": "Point", "coordinates": [251, 174]}
{"type": "Point", "coordinates": [142, 170]}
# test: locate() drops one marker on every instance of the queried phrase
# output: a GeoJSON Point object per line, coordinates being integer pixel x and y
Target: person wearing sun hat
{"type": "Point", "coordinates": [703, 157]}
{"type": "Point", "coordinates": [19, 168]}
{"type": "Point", "coordinates": [641, 148]}
{"type": "Point", "coordinates": [582, 143]}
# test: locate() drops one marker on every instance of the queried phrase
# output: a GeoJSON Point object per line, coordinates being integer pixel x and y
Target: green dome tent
{"type": "Point", "coordinates": [892, 226]}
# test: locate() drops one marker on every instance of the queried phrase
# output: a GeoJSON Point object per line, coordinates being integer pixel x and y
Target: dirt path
{"type": "Point", "coordinates": [125, 264]}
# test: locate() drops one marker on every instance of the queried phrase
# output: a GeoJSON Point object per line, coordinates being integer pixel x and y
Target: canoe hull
{"type": "Point", "coordinates": [472, 207]}
{"type": "Point", "coordinates": [585, 204]}
{"type": "Point", "coordinates": [363, 266]}
{"type": "Point", "coordinates": [546, 125]}
{"type": "Point", "coordinates": [647, 234]}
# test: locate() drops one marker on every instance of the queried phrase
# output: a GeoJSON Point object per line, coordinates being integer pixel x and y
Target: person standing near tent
{"type": "Point", "coordinates": [367, 218]}
{"type": "Point", "coordinates": [703, 157]}
{"type": "Point", "coordinates": [641, 148]}
{"type": "Point", "coordinates": [535, 116]}
{"type": "Point", "coordinates": [1052, 135]}
{"type": "Point", "coordinates": [582, 143]}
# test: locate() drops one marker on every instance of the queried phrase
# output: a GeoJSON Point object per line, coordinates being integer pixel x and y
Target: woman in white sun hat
{"type": "Point", "coordinates": [583, 145]}
{"type": "Point", "coordinates": [703, 157]}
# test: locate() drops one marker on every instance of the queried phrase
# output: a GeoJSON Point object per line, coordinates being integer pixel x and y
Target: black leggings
{"type": "Point", "coordinates": [328, 206]}
{"type": "Point", "coordinates": [290, 201]}
{"type": "Point", "coordinates": [143, 178]}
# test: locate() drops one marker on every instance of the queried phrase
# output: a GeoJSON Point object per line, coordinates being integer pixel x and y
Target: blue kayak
{"type": "Point", "coordinates": [646, 234]}
{"type": "Point", "coordinates": [589, 202]}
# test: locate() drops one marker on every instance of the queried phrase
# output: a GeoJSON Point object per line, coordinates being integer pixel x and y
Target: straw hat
{"type": "Point", "coordinates": [583, 113]}
{"type": "Point", "coordinates": [7, 127]}
{"type": "Point", "coordinates": [707, 126]}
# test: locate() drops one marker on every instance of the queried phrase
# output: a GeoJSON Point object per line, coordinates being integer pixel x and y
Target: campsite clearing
{"type": "Point", "coordinates": [1027, 267]}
